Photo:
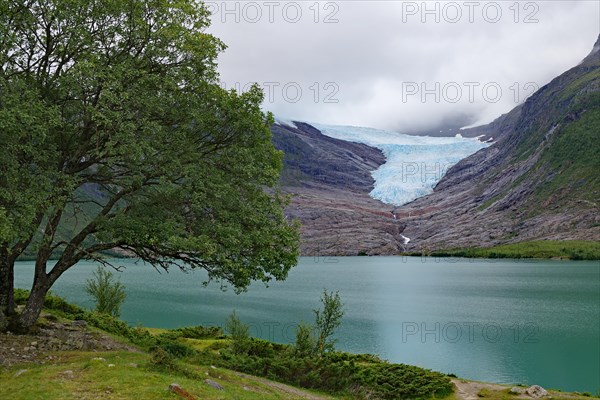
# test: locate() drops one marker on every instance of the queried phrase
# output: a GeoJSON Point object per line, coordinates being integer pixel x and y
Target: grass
{"type": "Point", "coordinates": [188, 356]}
{"type": "Point", "coordinates": [160, 360]}
{"type": "Point", "coordinates": [489, 202]}
{"type": "Point", "coordinates": [130, 378]}
{"type": "Point", "coordinates": [569, 250]}
{"type": "Point", "coordinates": [575, 157]}
{"type": "Point", "coordinates": [565, 175]}
{"type": "Point", "coordinates": [156, 331]}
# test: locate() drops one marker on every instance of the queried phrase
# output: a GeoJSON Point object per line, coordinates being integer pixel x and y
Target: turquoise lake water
{"type": "Point", "coordinates": [505, 321]}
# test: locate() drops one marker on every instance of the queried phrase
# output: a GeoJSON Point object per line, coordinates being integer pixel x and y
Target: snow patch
{"type": "Point", "coordinates": [285, 122]}
{"type": "Point", "coordinates": [406, 239]}
{"type": "Point", "coordinates": [414, 164]}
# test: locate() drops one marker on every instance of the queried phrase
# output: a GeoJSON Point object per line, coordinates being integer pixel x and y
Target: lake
{"type": "Point", "coordinates": [505, 321]}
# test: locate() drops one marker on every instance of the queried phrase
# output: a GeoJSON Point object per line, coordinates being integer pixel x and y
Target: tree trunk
{"type": "Point", "coordinates": [7, 302]}
{"type": "Point", "coordinates": [35, 303]}
{"type": "Point", "coordinates": [42, 282]}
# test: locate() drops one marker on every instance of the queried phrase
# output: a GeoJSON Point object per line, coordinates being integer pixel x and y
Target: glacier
{"type": "Point", "coordinates": [414, 164]}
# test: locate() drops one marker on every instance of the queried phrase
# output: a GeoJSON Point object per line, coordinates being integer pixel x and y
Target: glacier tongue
{"type": "Point", "coordinates": [414, 164]}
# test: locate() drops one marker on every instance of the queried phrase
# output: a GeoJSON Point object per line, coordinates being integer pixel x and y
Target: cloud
{"type": "Point", "coordinates": [397, 64]}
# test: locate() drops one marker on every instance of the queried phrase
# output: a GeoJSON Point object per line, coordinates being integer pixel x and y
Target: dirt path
{"type": "Point", "coordinates": [283, 388]}
{"type": "Point", "coordinates": [467, 390]}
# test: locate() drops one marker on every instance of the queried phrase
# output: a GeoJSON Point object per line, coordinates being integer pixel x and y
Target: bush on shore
{"type": "Point", "coordinates": [354, 375]}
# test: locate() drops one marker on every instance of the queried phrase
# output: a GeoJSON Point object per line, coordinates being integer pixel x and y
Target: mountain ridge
{"type": "Point", "coordinates": [330, 180]}
{"type": "Point", "coordinates": [518, 188]}
{"type": "Point", "coordinates": [538, 181]}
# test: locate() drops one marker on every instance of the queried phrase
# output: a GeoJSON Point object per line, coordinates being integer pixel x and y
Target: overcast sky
{"type": "Point", "coordinates": [400, 65]}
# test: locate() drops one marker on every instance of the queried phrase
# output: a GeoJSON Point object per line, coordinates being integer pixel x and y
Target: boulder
{"type": "Point", "coordinates": [516, 390]}
{"type": "Point", "coordinates": [536, 391]}
{"type": "Point", "coordinates": [79, 323]}
{"type": "Point", "coordinates": [178, 390]}
{"type": "Point", "coordinates": [214, 384]}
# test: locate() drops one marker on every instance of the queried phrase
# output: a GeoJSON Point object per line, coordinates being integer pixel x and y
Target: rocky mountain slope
{"type": "Point", "coordinates": [539, 180]}
{"type": "Point", "coordinates": [330, 180]}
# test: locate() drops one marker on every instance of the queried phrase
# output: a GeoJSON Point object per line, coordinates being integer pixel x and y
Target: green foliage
{"type": "Point", "coordinates": [306, 344]}
{"type": "Point", "coordinates": [574, 157]}
{"type": "Point", "coordinates": [554, 149]}
{"type": "Point", "coordinates": [566, 132]}
{"type": "Point", "coordinates": [21, 295]}
{"type": "Point", "coordinates": [312, 362]}
{"type": "Point", "coordinates": [316, 339]}
{"type": "Point", "coordinates": [364, 376]}
{"type": "Point", "coordinates": [568, 249]}
{"type": "Point", "coordinates": [108, 294]}
{"type": "Point", "coordinates": [56, 304]}
{"type": "Point", "coordinates": [399, 381]}
{"type": "Point", "coordinates": [175, 349]}
{"type": "Point", "coordinates": [353, 375]}
{"type": "Point", "coordinates": [199, 332]}
{"type": "Point", "coordinates": [283, 366]}
{"type": "Point", "coordinates": [4, 226]}
{"type": "Point", "coordinates": [239, 333]}
{"type": "Point", "coordinates": [108, 323]}
{"type": "Point", "coordinates": [164, 361]}
{"type": "Point", "coordinates": [327, 320]}
{"type": "Point", "coordinates": [116, 134]}
{"type": "Point", "coordinates": [59, 304]}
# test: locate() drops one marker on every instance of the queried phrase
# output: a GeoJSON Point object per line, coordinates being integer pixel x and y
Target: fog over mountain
{"type": "Point", "coordinates": [396, 64]}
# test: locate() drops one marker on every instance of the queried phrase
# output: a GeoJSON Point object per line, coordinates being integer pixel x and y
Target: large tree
{"type": "Point", "coordinates": [114, 134]}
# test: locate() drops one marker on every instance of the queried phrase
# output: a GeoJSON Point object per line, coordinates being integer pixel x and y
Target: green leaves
{"type": "Point", "coordinates": [327, 320]}
{"type": "Point", "coordinates": [115, 133]}
{"type": "Point", "coordinates": [108, 294]}
{"type": "Point", "coordinates": [4, 226]}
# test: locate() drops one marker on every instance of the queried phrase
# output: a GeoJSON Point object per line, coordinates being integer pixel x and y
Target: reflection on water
{"type": "Point", "coordinates": [503, 321]}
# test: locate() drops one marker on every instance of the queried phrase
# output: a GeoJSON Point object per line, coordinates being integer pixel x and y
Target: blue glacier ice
{"type": "Point", "coordinates": [414, 164]}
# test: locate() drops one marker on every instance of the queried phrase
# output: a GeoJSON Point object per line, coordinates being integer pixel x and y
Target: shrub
{"type": "Point", "coordinates": [107, 294]}
{"type": "Point", "coordinates": [200, 332]}
{"type": "Point", "coordinates": [162, 360]}
{"type": "Point", "coordinates": [176, 349]}
{"type": "Point", "coordinates": [21, 296]}
{"type": "Point", "coordinates": [108, 323]}
{"type": "Point", "coordinates": [57, 303]}
{"type": "Point", "coordinates": [305, 340]}
{"type": "Point", "coordinates": [239, 332]}
{"type": "Point", "coordinates": [327, 320]}
{"type": "Point", "coordinates": [399, 381]}
{"type": "Point", "coordinates": [51, 302]}
{"type": "Point", "coordinates": [260, 348]}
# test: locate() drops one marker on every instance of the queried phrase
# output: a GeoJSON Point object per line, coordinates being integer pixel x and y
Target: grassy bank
{"type": "Point", "coordinates": [122, 375]}
{"type": "Point", "coordinates": [142, 363]}
{"type": "Point", "coordinates": [567, 250]}
{"type": "Point", "coordinates": [197, 358]}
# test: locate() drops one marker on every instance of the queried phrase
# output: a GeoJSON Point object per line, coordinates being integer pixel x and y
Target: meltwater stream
{"type": "Point", "coordinates": [507, 321]}
{"type": "Point", "coordinates": [414, 164]}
